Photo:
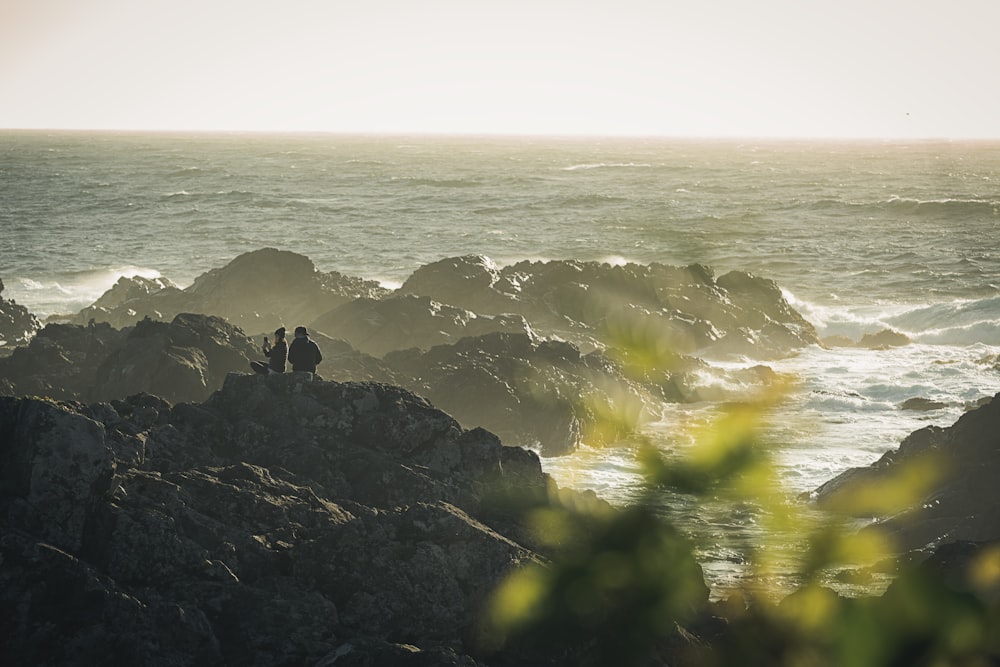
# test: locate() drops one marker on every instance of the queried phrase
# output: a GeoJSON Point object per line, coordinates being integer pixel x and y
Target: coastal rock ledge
{"type": "Point", "coordinates": [284, 521]}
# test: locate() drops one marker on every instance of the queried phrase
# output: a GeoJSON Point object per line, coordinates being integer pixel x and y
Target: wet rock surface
{"type": "Point", "coordinates": [956, 467]}
{"type": "Point", "coordinates": [17, 325]}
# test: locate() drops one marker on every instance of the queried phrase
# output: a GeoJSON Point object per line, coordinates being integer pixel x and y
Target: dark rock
{"type": "Point", "coordinates": [60, 362]}
{"type": "Point", "coordinates": [257, 291]}
{"type": "Point", "coordinates": [115, 305]}
{"type": "Point", "coordinates": [283, 521]}
{"type": "Point", "coordinates": [17, 325]}
{"type": "Point", "coordinates": [838, 341]}
{"type": "Point", "coordinates": [684, 309]}
{"type": "Point", "coordinates": [343, 363]}
{"type": "Point", "coordinates": [884, 339]}
{"type": "Point", "coordinates": [961, 464]}
{"type": "Point", "coordinates": [922, 404]}
{"type": "Point", "coordinates": [544, 395]}
{"type": "Point", "coordinates": [184, 360]}
{"type": "Point", "coordinates": [379, 326]}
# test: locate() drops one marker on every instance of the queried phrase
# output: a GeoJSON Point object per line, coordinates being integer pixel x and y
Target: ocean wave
{"type": "Point", "coordinates": [957, 322]}
{"type": "Point", "coordinates": [987, 332]}
{"type": "Point", "coordinates": [608, 165]}
{"type": "Point", "coordinates": [947, 206]}
{"type": "Point", "coordinates": [967, 207]}
{"type": "Point", "coordinates": [948, 315]}
{"type": "Point", "coordinates": [69, 291]}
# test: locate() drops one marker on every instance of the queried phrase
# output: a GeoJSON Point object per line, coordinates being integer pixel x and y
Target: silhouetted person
{"type": "Point", "coordinates": [303, 353]}
{"type": "Point", "coordinates": [276, 354]}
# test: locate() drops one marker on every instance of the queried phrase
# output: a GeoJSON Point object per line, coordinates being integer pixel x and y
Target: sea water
{"type": "Point", "coordinates": [861, 237]}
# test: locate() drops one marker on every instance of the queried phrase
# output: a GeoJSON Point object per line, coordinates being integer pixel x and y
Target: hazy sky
{"type": "Point", "coordinates": [851, 68]}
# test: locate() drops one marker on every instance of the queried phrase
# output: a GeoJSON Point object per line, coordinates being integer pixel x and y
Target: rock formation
{"type": "Point", "coordinates": [540, 394]}
{"type": "Point", "coordinates": [257, 291]}
{"type": "Point", "coordinates": [546, 354]}
{"type": "Point", "coordinates": [17, 325]}
{"type": "Point", "coordinates": [379, 326]}
{"type": "Point", "coordinates": [883, 340]}
{"type": "Point", "coordinates": [115, 306]}
{"type": "Point", "coordinates": [960, 465]}
{"type": "Point", "coordinates": [60, 362]}
{"type": "Point", "coordinates": [186, 359]}
{"type": "Point", "coordinates": [280, 522]}
{"type": "Point", "coordinates": [686, 309]}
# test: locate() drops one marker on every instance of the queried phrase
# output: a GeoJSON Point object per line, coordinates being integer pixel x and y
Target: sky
{"type": "Point", "coordinates": [691, 68]}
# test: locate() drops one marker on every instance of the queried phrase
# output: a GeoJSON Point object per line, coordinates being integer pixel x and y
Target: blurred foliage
{"type": "Point", "coordinates": [622, 587]}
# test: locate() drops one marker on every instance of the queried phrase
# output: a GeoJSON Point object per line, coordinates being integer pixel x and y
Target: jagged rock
{"type": "Point", "coordinates": [379, 326]}
{"type": "Point", "coordinates": [115, 305]}
{"type": "Point", "coordinates": [685, 309]}
{"type": "Point", "coordinates": [539, 394]}
{"type": "Point", "coordinates": [60, 362]}
{"type": "Point", "coordinates": [184, 360]}
{"type": "Point", "coordinates": [961, 501]}
{"type": "Point", "coordinates": [257, 291]}
{"type": "Point", "coordinates": [17, 325]}
{"type": "Point", "coordinates": [343, 363]}
{"type": "Point", "coordinates": [284, 521]}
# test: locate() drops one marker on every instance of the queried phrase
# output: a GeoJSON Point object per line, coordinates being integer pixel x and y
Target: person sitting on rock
{"type": "Point", "coordinates": [304, 353]}
{"type": "Point", "coordinates": [276, 354]}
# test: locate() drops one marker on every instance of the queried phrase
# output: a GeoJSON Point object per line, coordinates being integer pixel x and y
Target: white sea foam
{"type": "Point", "coordinates": [70, 291]}
{"type": "Point", "coordinates": [614, 260]}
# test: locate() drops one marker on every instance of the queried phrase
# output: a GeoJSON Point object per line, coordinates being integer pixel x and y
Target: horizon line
{"type": "Point", "coordinates": [505, 134]}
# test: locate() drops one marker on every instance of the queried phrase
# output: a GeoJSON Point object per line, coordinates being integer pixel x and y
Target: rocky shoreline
{"type": "Point", "coordinates": [161, 505]}
{"type": "Point", "coordinates": [535, 352]}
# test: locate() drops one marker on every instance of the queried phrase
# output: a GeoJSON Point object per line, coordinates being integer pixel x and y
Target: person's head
{"type": "Point", "coordinates": [279, 333]}
{"type": "Point", "coordinates": [300, 332]}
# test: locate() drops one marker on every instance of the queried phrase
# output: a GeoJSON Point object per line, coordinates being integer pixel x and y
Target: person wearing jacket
{"type": "Point", "coordinates": [276, 354]}
{"type": "Point", "coordinates": [303, 353]}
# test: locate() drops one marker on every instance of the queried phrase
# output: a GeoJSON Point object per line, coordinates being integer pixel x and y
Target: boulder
{"type": "Point", "coordinates": [884, 339]}
{"type": "Point", "coordinates": [920, 404]}
{"type": "Point", "coordinates": [17, 325]}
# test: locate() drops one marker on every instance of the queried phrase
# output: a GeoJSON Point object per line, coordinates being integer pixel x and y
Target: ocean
{"type": "Point", "coordinates": [861, 236]}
